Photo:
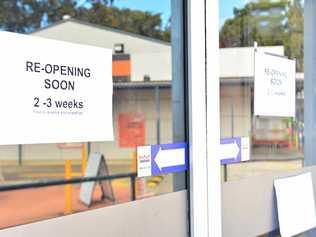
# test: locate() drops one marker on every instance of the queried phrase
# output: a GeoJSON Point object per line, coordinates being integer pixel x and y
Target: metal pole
{"type": "Point", "coordinates": [178, 87]}
{"type": "Point", "coordinates": [232, 134]}
{"type": "Point", "coordinates": [232, 116]}
{"type": "Point", "coordinates": [20, 154]}
{"type": "Point", "coordinates": [225, 173]}
{"type": "Point", "coordinates": [309, 86]}
{"type": "Point", "coordinates": [89, 149]}
{"type": "Point", "coordinates": [133, 189]}
{"type": "Point", "coordinates": [47, 183]}
{"type": "Point", "coordinates": [157, 100]}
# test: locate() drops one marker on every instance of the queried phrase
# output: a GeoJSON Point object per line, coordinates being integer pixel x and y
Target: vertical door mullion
{"type": "Point", "coordinates": [213, 118]}
{"type": "Point", "coordinates": [197, 118]}
{"type": "Point", "coordinates": [204, 118]}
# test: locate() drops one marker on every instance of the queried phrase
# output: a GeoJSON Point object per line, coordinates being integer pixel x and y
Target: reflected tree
{"type": "Point", "coordinates": [294, 40]}
{"type": "Point", "coordinates": [269, 23]}
{"type": "Point", "coordinates": [25, 16]}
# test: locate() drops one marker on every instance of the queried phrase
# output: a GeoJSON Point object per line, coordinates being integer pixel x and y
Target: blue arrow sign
{"type": "Point", "coordinates": [230, 150]}
{"type": "Point", "coordinates": [162, 159]}
{"type": "Point", "coordinates": [169, 158]}
{"type": "Point", "coordinates": [234, 150]}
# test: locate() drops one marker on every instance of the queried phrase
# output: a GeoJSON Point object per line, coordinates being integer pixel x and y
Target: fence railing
{"type": "Point", "coordinates": [55, 182]}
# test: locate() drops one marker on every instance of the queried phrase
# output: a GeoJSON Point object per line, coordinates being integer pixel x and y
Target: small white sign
{"type": "Point", "coordinates": [96, 167]}
{"type": "Point", "coordinates": [92, 170]}
{"type": "Point", "coordinates": [245, 149]}
{"type": "Point", "coordinates": [143, 161]}
{"type": "Point", "coordinates": [274, 90]}
{"type": "Point", "coordinates": [53, 91]}
{"type": "Point", "coordinates": [296, 204]}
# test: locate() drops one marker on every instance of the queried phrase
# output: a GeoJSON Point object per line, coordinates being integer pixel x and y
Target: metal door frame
{"type": "Point", "coordinates": [204, 123]}
{"type": "Point", "coordinates": [201, 69]}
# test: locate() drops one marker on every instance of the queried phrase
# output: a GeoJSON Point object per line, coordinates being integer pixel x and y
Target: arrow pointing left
{"type": "Point", "coordinates": [162, 159]}
{"type": "Point", "coordinates": [170, 157]}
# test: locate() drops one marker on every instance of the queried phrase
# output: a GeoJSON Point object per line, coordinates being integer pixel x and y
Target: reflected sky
{"type": "Point", "coordinates": [155, 6]}
{"type": "Point", "coordinates": [226, 8]}
{"type": "Point", "coordinates": [164, 7]}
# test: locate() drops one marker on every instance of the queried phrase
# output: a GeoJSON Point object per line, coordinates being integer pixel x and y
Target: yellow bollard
{"type": "Point", "coordinates": [84, 158]}
{"type": "Point", "coordinates": [134, 162]}
{"type": "Point", "coordinates": [68, 188]}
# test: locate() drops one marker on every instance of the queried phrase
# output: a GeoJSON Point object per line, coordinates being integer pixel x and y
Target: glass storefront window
{"type": "Point", "coordinates": [143, 105]}
{"type": "Point", "coordinates": [276, 143]}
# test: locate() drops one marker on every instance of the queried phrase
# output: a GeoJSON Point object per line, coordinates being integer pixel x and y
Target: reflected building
{"type": "Point", "coordinates": [142, 100]}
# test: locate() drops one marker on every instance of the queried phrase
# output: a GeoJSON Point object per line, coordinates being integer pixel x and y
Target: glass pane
{"type": "Point", "coordinates": [148, 104]}
{"type": "Point", "coordinates": [277, 26]}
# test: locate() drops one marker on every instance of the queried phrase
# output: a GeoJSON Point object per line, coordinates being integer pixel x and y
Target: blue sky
{"type": "Point", "coordinates": [227, 10]}
{"type": "Point", "coordinates": [155, 6]}
{"type": "Point", "coordinates": [164, 7]}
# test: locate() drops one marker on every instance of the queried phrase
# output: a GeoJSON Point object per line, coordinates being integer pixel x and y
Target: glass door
{"type": "Point", "coordinates": [43, 180]}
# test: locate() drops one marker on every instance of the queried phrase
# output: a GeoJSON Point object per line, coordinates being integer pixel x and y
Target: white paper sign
{"type": "Point", "coordinates": [245, 149]}
{"type": "Point", "coordinates": [143, 161]}
{"type": "Point", "coordinates": [296, 204]}
{"type": "Point", "coordinates": [274, 92]}
{"type": "Point", "coordinates": [53, 91]}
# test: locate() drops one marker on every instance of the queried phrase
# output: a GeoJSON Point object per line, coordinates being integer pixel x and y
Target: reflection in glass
{"type": "Point", "coordinates": [276, 143]}
{"type": "Point", "coordinates": [142, 103]}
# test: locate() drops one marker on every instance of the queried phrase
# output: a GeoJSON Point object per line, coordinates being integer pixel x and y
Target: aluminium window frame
{"type": "Point", "coordinates": [204, 124]}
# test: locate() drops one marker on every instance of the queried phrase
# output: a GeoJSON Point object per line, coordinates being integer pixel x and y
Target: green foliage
{"type": "Point", "coordinates": [25, 16]}
{"type": "Point", "coordinates": [294, 43]}
{"type": "Point", "coordinates": [268, 23]}
{"type": "Point", "coordinates": [144, 23]}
